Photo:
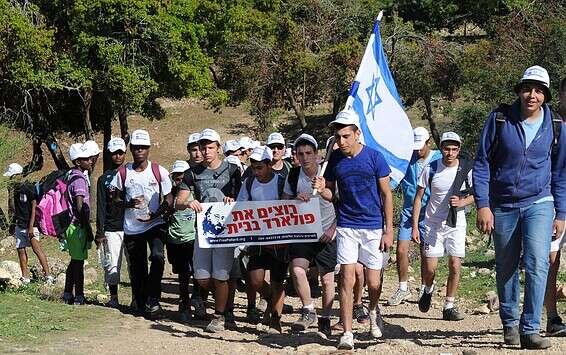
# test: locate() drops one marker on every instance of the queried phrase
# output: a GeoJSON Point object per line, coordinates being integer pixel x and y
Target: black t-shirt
{"type": "Point", "coordinates": [109, 217]}
{"type": "Point", "coordinates": [24, 195]}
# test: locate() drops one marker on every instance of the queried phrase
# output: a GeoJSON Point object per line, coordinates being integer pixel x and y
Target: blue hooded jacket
{"type": "Point", "coordinates": [517, 177]}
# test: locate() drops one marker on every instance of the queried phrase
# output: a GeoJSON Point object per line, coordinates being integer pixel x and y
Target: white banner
{"type": "Point", "coordinates": [258, 223]}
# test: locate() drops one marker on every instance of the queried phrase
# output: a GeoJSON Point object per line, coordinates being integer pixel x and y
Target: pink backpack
{"type": "Point", "coordinates": [53, 210]}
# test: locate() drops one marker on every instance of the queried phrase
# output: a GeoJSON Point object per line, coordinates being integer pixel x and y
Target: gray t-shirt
{"type": "Point", "coordinates": [212, 185]}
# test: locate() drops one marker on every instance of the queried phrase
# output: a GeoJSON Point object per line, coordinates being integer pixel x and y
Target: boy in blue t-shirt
{"type": "Point", "coordinates": [364, 230]}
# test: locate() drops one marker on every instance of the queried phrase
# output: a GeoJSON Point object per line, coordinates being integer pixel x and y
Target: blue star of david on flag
{"type": "Point", "coordinates": [373, 96]}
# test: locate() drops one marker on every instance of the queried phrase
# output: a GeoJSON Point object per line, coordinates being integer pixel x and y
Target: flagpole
{"type": "Point", "coordinates": [380, 15]}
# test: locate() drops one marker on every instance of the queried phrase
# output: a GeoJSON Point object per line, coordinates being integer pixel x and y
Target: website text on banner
{"type": "Point", "coordinates": [383, 121]}
{"type": "Point", "coordinates": [258, 223]}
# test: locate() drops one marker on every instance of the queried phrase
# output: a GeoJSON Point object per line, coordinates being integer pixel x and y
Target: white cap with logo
{"type": "Point", "coordinates": [306, 137]}
{"type": "Point", "coordinates": [246, 142]}
{"type": "Point", "coordinates": [193, 138]}
{"type": "Point", "coordinates": [231, 146]}
{"type": "Point", "coordinates": [261, 153]}
{"type": "Point", "coordinates": [140, 137]}
{"type": "Point", "coordinates": [180, 166]}
{"type": "Point", "coordinates": [92, 148]}
{"type": "Point", "coordinates": [346, 117]}
{"type": "Point", "coordinates": [275, 138]}
{"type": "Point", "coordinates": [450, 136]}
{"type": "Point", "coordinates": [420, 135]}
{"type": "Point", "coordinates": [539, 75]}
{"type": "Point", "coordinates": [78, 150]}
{"type": "Point", "coordinates": [115, 144]}
{"type": "Point", "coordinates": [209, 134]}
{"type": "Point", "coordinates": [13, 169]}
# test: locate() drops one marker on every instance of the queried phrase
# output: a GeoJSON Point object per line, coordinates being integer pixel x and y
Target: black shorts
{"type": "Point", "coordinates": [323, 255]}
{"type": "Point", "coordinates": [272, 260]}
{"type": "Point", "coordinates": [180, 256]}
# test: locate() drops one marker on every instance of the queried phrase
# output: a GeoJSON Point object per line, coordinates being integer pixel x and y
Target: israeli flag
{"type": "Point", "coordinates": [383, 121]}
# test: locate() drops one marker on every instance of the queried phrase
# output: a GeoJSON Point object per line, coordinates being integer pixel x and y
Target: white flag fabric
{"type": "Point", "coordinates": [383, 121]}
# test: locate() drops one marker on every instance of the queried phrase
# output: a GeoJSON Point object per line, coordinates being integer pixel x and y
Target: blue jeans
{"type": "Point", "coordinates": [528, 229]}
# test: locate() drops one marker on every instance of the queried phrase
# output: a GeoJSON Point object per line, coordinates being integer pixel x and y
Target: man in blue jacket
{"type": "Point", "coordinates": [520, 190]}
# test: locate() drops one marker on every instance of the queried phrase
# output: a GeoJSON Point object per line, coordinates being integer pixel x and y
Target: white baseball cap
{"type": "Point", "coordinates": [420, 135]}
{"type": "Point", "coordinates": [450, 136]}
{"type": "Point", "coordinates": [306, 137]}
{"type": "Point", "coordinates": [92, 148]}
{"type": "Point", "coordinates": [209, 134]}
{"type": "Point", "coordinates": [539, 75]}
{"type": "Point", "coordinates": [193, 138]}
{"type": "Point", "coordinates": [256, 144]}
{"type": "Point", "coordinates": [115, 144]}
{"type": "Point", "coordinates": [288, 153]}
{"type": "Point", "coordinates": [231, 146]}
{"type": "Point", "coordinates": [346, 117]}
{"type": "Point", "coordinates": [246, 142]}
{"type": "Point", "coordinates": [140, 137]}
{"type": "Point", "coordinates": [13, 169]}
{"type": "Point", "coordinates": [261, 153]}
{"type": "Point", "coordinates": [275, 138]}
{"type": "Point", "coordinates": [233, 159]}
{"type": "Point", "coordinates": [78, 150]}
{"type": "Point", "coordinates": [180, 166]}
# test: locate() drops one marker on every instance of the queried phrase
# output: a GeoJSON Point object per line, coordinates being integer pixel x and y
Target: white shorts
{"type": "Point", "coordinates": [440, 240]}
{"type": "Point", "coordinates": [114, 247]}
{"type": "Point", "coordinates": [213, 263]}
{"type": "Point", "coordinates": [557, 244]}
{"type": "Point", "coordinates": [22, 237]}
{"type": "Point", "coordinates": [360, 245]}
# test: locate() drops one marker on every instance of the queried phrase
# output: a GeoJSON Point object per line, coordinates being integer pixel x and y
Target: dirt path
{"type": "Point", "coordinates": [406, 331]}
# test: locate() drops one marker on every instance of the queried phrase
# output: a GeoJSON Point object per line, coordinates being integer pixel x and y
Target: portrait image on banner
{"type": "Point", "coordinates": [258, 223]}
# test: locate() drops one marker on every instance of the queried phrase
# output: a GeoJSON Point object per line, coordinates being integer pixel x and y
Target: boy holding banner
{"type": "Point", "coordinates": [323, 253]}
{"type": "Point", "coordinates": [364, 230]}
{"type": "Point", "coordinates": [265, 185]}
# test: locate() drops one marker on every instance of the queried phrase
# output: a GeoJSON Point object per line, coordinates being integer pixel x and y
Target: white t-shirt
{"type": "Point", "coordinates": [146, 181]}
{"type": "Point", "coordinates": [439, 202]}
{"type": "Point", "coordinates": [260, 191]}
{"type": "Point", "coordinates": [304, 185]}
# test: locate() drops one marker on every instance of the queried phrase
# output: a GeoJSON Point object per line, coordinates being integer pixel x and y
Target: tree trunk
{"type": "Point", "coordinates": [56, 153]}
{"type": "Point", "coordinates": [36, 162]}
{"type": "Point", "coordinates": [431, 122]}
{"type": "Point", "coordinates": [106, 158]}
{"type": "Point", "coordinates": [299, 112]}
{"type": "Point", "coordinates": [87, 101]}
{"type": "Point", "coordinates": [123, 118]}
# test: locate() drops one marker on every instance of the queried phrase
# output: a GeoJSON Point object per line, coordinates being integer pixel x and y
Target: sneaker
{"type": "Point", "coordinates": [113, 303]}
{"type": "Point", "coordinates": [79, 300]}
{"type": "Point", "coordinates": [324, 326]}
{"type": "Point", "coordinates": [398, 297]}
{"type": "Point", "coordinates": [534, 342]}
{"type": "Point", "coordinates": [253, 315]}
{"type": "Point", "coordinates": [555, 327]}
{"type": "Point", "coordinates": [152, 306]}
{"type": "Point", "coordinates": [50, 280]}
{"type": "Point", "coordinates": [275, 325]}
{"type": "Point", "coordinates": [374, 328]}
{"type": "Point", "coordinates": [287, 309]}
{"type": "Point", "coordinates": [360, 314]}
{"type": "Point", "coordinates": [346, 341]}
{"type": "Point", "coordinates": [199, 308]}
{"type": "Point", "coordinates": [511, 335]}
{"type": "Point", "coordinates": [307, 319]}
{"type": "Point", "coordinates": [452, 314]}
{"type": "Point", "coordinates": [68, 298]}
{"type": "Point", "coordinates": [217, 324]}
{"type": "Point", "coordinates": [25, 281]}
{"type": "Point", "coordinates": [424, 302]}
{"type": "Point", "coordinates": [134, 306]}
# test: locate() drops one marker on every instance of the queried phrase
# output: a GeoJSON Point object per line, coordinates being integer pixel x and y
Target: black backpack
{"type": "Point", "coordinates": [501, 113]}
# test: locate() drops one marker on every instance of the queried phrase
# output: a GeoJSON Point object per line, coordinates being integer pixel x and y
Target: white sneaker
{"type": "Point", "coordinates": [50, 280]}
{"type": "Point", "coordinates": [25, 281]}
{"type": "Point", "coordinates": [346, 341]}
{"type": "Point", "coordinates": [373, 326]}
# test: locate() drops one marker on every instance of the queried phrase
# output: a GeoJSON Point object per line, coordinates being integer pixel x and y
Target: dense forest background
{"type": "Point", "coordinates": [75, 66]}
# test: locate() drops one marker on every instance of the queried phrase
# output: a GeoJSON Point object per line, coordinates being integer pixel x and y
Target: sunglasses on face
{"type": "Point", "coordinates": [276, 146]}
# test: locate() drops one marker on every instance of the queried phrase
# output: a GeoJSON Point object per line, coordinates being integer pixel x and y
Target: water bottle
{"type": "Point", "coordinates": [104, 256]}
{"type": "Point", "coordinates": [142, 210]}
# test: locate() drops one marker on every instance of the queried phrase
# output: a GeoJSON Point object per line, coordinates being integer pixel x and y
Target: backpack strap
{"type": "Point", "coordinates": [293, 179]}
{"type": "Point", "coordinates": [556, 129]}
{"type": "Point", "coordinates": [122, 173]}
{"type": "Point", "coordinates": [280, 185]}
{"type": "Point", "coordinates": [501, 113]}
{"type": "Point", "coordinates": [433, 167]}
{"type": "Point", "coordinates": [157, 175]}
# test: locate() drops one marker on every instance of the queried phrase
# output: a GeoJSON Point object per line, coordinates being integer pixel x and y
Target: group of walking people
{"type": "Point", "coordinates": [517, 180]}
